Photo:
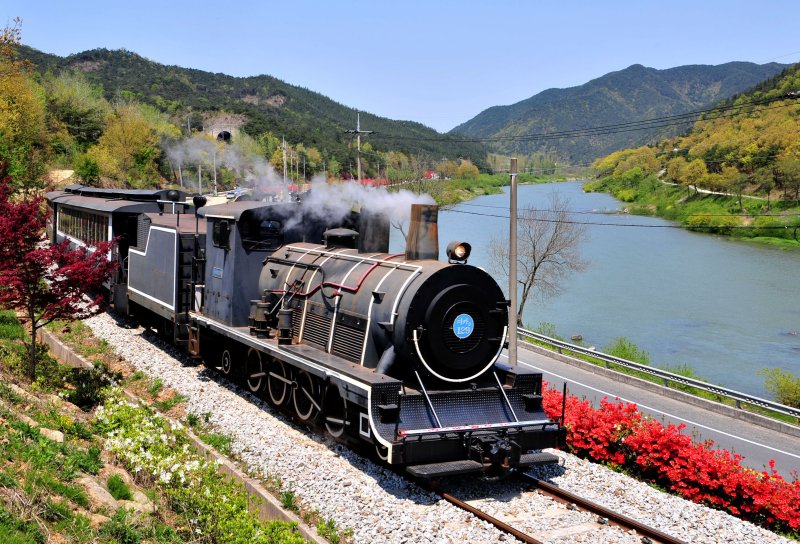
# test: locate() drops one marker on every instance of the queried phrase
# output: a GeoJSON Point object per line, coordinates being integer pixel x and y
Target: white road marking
{"type": "Point", "coordinates": [611, 395]}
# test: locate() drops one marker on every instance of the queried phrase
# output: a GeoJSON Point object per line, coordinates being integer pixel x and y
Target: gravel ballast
{"type": "Point", "coordinates": [379, 506]}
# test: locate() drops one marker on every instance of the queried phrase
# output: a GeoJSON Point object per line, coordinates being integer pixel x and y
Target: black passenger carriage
{"type": "Point", "coordinates": [399, 352]}
{"type": "Point", "coordinates": [88, 215]}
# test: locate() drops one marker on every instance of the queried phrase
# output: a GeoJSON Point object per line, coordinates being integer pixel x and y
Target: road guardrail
{"type": "Point", "coordinates": [665, 376]}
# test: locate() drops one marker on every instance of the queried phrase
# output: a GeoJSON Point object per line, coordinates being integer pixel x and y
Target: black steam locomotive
{"type": "Point", "coordinates": [399, 352]}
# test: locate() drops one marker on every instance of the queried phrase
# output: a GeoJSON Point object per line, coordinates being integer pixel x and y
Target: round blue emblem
{"type": "Point", "coordinates": [463, 325]}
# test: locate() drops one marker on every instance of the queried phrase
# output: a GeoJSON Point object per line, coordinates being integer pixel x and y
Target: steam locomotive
{"type": "Point", "coordinates": [396, 352]}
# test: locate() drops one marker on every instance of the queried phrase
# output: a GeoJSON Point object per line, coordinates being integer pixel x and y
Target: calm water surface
{"type": "Point", "coordinates": [725, 308]}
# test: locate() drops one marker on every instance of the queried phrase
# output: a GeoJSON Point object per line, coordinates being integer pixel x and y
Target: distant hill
{"type": "Point", "coordinates": [632, 94]}
{"type": "Point", "coordinates": [267, 104]}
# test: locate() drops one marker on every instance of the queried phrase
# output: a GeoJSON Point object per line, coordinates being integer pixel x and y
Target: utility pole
{"type": "Point", "coordinates": [284, 162]}
{"type": "Point", "coordinates": [358, 132]}
{"type": "Point", "coordinates": [512, 268]}
{"type": "Point", "coordinates": [215, 170]}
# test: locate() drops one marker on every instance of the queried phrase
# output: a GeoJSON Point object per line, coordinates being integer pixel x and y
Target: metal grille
{"type": "Point", "coordinates": [463, 345]}
{"type": "Point", "coordinates": [317, 330]}
{"type": "Point", "coordinates": [347, 342]}
{"type": "Point", "coordinates": [143, 229]}
{"type": "Point", "coordinates": [297, 320]}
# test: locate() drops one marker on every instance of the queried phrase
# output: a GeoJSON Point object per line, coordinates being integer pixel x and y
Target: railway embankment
{"type": "Point", "coordinates": [370, 503]}
{"type": "Point", "coordinates": [262, 504]}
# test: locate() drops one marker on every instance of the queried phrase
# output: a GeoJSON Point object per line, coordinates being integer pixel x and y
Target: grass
{"type": "Point", "coordinates": [218, 441]}
{"type": "Point", "coordinates": [118, 488]}
{"type": "Point", "coordinates": [170, 402]}
{"type": "Point", "coordinates": [10, 329]}
{"type": "Point", "coordinates": [327, 529]}
{"type": "Point", "coordinates": [203, 429]}
{"type": "Point", "coordinates": [14, 530]}
{"type": "Point", "coordinates": [289, 500]}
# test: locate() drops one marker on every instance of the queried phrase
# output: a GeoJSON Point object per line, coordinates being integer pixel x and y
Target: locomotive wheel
{"type": "Point", "coordinates": [334, 410]}
{"type": "Point", "coordinates": [254, 370]}
{"type": "Point", "coordinates": [303, 397]}
{"type": "Point", "coordinates": [225, 362]}
{"type": "Point", "coordinates": [278, 382]}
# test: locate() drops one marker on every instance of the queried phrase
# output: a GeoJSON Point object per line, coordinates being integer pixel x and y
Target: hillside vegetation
{"type": "Point", "coordinates": [736, 172]}
{"type": "Point", "coordinates": [116, 115]}
{"type": "Point", "coordinates": [632, 94]}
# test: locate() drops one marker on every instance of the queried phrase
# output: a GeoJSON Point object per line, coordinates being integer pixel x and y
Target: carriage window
{"type": "Point", "coordinates": [89, 228]}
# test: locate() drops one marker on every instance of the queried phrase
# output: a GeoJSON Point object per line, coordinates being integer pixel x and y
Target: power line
{"type": "Point", "coordinates": [617, 212]}
{"type": "Point", "coordinates": [656, 122]}
{"type": "Point", "coordinates": [633, 225]}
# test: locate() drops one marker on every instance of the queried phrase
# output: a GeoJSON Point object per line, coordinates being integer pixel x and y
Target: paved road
{"type": "Point", "coordinates": [757, 444]}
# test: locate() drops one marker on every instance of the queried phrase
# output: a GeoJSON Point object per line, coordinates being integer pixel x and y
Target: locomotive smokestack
{"type": "Point", "coordinates": [373, 230]}
{"type": "Point", "coordinates": [423, 233]}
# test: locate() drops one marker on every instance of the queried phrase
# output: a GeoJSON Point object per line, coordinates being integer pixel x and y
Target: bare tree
{"type": "Point", "coordinates": [548, 249]}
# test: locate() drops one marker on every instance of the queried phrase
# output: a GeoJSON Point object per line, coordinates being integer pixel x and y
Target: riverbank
{"type": "Point", "coordinates": [775, 223]}
{"type": "Point", "coordinates": [454, 191]}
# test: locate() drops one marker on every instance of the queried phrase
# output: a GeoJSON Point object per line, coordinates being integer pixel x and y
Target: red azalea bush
{"type": "Point", "coordinates": [618, 434]}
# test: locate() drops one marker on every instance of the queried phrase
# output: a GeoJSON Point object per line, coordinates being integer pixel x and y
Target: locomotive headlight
{"type": "Point", "coordinates": [458, 252]}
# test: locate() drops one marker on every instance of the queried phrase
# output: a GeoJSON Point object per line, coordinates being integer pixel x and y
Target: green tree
{"type": "Point", "coordinates": [675, 168]}
{"type": "Point", "coordinates": [87, 170]}
{"type": "Point", "coordinates": [467, 170]}
{"type": "Point", "coordinates": [693, 173]}
{"type": "Point", "coordinates": [789, 169]}
{"type": "Point", "coordinates": [783, 385]}
{"type": "Point", "coordinates": [22, 115]}
{"type": "Point", "coordinates": [128, 148]}
{"type": "Point", "coordinates": [78, 106]}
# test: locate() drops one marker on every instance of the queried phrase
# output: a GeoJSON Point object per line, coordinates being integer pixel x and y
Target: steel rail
{"type": "Point", "coordinates": [666, 377]}
{"type": "Point", "coordinates": [613, 518]}
{"type": "Point", "coordinates": [480, 514]}
{"type": "Point", "coordinates": [648, 534]}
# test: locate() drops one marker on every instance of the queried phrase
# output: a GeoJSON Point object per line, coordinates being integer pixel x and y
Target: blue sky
{"type": "Point", "coordinates": [436, 62]}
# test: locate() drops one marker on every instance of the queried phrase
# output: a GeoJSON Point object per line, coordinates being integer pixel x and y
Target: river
{"type": "Point", "coordinates": [725, 308]}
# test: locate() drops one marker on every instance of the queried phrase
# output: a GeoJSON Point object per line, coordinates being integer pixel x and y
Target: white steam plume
{"type": "Point", "coordinates": [331, 203]}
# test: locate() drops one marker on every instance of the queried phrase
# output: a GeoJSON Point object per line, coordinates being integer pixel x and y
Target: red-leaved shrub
{"type": "Point", "coordinates": [618, 434]}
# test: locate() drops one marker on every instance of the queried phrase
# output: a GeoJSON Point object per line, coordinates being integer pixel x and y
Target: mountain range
{"type": "Point", "coordinates": [632, 94]}
{"type": "Point", "coordinates": [264, 102]}
{"type": "Point", "coordinates": [267, 104]}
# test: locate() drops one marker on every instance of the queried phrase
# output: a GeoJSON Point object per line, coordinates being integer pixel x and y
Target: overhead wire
{"type": "Point", "coordinates": [656, 122]}
{"type": "Point", "coordinates": [617, 212]}
{"type": "Point", "coordinates": [633, 225]}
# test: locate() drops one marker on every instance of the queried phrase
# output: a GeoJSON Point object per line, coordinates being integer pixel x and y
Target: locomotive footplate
{"type": "Point", "coordinates": [454, 468]}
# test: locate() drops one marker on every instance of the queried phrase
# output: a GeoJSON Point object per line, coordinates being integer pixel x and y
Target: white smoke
{"type": "Point", "coordinates": [250, 170]}
{"type": "Point", "coordinates": [331, 203]}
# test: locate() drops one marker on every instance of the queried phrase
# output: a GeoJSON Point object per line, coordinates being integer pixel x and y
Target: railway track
{"type": "Point", "coordinates": [379, 505]}
{"type": "Point", "coordinates": [568, 518]}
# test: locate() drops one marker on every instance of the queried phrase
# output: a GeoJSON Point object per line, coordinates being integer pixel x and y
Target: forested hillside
{"type": "Point", "coordinates": [736, 172]}
{"type": "Point", "coordinates": [263, 106]}
{"type": "Point", "coordinates": [632, 94]}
